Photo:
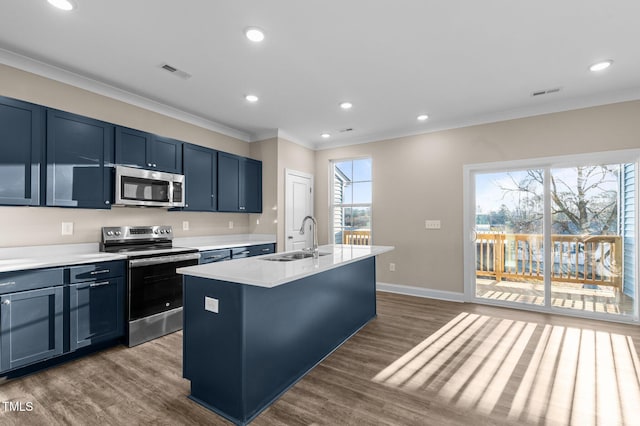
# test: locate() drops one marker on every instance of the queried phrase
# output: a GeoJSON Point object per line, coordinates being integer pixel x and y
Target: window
{"type": "Point", "coordinates": [350, 221]}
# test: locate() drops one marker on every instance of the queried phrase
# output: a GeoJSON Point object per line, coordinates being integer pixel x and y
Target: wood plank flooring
{"type": "Point", "coordinates": [420, 362]}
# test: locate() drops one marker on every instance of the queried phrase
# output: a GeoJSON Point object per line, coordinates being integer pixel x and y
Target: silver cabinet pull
{"type": "Point", "coordinates": [266, 249]}
{"type": "Point", "coordinates": [149, 165]}
{"type": "Point", "coordinates": [6, 302]}
{"type": "Point", "coordinates": [101, 271]}
{"type": "Point", "coordinates": [245, 252]}
{"type": "Point", "coordinates": [99, 284]}
{"type": "Point", "coordinates": [8, 283]}
{"type": "Point", "coordinates": [107, 202]}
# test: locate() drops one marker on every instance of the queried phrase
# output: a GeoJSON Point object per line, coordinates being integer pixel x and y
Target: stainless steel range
{"type": "Point", "coordinates": [154, 291]}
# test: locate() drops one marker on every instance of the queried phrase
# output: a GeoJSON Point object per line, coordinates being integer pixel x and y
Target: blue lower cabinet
{"type": "Point", "coordinates": [96, 312]}
{"type": "Point", "coordinates": [211, 256]}
{"type": "Point", "coordinates": [250, 251]}
{"type": "Point", "coordinates": [31, 326]}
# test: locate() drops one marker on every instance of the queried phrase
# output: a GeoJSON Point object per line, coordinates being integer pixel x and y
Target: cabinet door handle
{"type": "Point", "coordinates": [99, 284]}
{"type": "Point", "coordinates": [101, 271]}
{"type": "Point", "coordinates": [8, 283]}
{"type": "Point", "coordinates": [155, 165]}
{"type": "Point", "coordinates": [107, 202]}
{"type": "Point", "coordinates": [266, 250]}
{"type": "Point", "coordinates": [6, 302]}
{"type": "Point", "coordinates": [245, 252]}
{"type": "Point", "coordinates": [149, 165]}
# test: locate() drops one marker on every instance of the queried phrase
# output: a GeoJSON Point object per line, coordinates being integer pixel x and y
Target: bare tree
{"type": "Point", "coordinates": [587, 205]}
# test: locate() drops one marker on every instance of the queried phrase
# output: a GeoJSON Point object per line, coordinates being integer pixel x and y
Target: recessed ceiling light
{"type": "Point", "coordinates": [422, 117]}
{"type": "Point", "coordinates": [251, 98]}
{"type": "Point", "coordinates": [346, 105]}
{"type": "Point", "coordinates": [63, 4]}
{"type": "Point", "coordinates": [602, 65]}
{"type": "Point", "coordinates": [325, 135]}
{"type": "Point", "coordinates": [254, 34]}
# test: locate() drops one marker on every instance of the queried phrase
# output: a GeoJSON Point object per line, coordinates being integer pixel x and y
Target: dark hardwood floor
{"type": "Point", "coordinates": [420, 362]}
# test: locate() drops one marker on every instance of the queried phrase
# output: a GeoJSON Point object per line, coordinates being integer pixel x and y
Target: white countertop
{"type": "Point", "coordinates": [263, 273]}
{"type": "Point", "coordinates": [34, 257]}
{"type": "Point", "coordinates": [50, 256]}
{"type": "Point", "coordinates": [224, 241]}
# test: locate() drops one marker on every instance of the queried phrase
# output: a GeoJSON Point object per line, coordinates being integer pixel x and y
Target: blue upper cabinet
{"type": "Point", "coordinates": [200, 178]}
{"type": "Point", "coordinates": [228, 182]}
{"type": "Point", "coordinates": [239, 184]}
{"type": "Point", "coordinates": [21, 148]}
{"type": "Point", "coordinates": [251, 186]}
{"type": "Point", "coordinates": [149, 151]}
{"type": "Point", "coordinates": [79, 153]}
{"type": "Point", "coordinates": [166, 154]}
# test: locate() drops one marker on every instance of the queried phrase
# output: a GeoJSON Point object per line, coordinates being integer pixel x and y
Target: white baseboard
{"type": "Point", "coordinates": [421, 292]}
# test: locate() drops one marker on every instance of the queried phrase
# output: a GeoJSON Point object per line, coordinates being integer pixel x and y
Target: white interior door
{"type": "Point", "coordinates": [298, 204]}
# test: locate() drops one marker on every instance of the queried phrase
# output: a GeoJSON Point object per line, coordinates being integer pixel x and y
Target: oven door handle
{"type": "Point", "coordinates": [136, 263]}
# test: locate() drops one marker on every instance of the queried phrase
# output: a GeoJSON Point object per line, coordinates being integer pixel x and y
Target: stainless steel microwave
{"type": "Point", "coordinates": [139, 187]}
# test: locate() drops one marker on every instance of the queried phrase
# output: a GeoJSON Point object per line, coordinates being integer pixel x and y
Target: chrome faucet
{"type": "Point", "coordinates": [316, 253]}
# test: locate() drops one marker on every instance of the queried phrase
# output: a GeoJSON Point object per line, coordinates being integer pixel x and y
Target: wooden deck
{"type": "Point", "coordinates": [564, 294]}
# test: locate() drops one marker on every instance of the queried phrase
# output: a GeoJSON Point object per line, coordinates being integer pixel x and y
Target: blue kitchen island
{"type": "Point", "coordinates": [253, 327]}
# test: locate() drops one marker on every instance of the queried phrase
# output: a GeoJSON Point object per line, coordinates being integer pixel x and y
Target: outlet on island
{"type": "Point", "coordinates": [67, 228]}
{"type": "Point", "coordinates": [185, 225]}
{"type": "Point", "coordinates": [230, 224]}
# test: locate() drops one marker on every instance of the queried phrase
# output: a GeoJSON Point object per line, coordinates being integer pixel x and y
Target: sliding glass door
{"type": "Point", "coordinates": [557, 235]}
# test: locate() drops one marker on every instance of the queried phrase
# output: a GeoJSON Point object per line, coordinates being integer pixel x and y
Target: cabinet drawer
{"type": "Point", "coordinates": [262, 249]}
{"type": "Point", "coordinates": [257, 250]}
{"type": "Point", "coordinates": [96, 271]}
{"type": "Point", "coordinates": [211, 256]}
{"type": "Point", "coordinates": [11, 282]}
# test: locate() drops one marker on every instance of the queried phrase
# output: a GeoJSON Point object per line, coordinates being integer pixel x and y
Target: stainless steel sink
{"type": "Point", "coordinates": [288, 257]}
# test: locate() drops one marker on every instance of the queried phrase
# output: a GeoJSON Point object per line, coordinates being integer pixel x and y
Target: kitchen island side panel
{"type": "Point", "coordinates": [212, 344]}
{"type": "Point", "coordinates": [292, 327]}
{"type": "Point", "coordinates": [263, 340]}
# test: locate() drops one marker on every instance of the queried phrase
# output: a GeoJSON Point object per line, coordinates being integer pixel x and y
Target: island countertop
{"type": "Point", "coordinates": [263, 273]}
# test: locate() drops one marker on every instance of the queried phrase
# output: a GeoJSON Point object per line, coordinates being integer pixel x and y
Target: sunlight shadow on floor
{"type": "Point", "coordinates": [524, 371]}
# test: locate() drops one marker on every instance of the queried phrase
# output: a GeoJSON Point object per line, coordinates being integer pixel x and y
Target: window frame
{"type": "Point", "coordinates": [332, 192]}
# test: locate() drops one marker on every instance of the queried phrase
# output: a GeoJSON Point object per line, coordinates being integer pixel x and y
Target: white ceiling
{"type": "Point", "coordinates": [460, 61]}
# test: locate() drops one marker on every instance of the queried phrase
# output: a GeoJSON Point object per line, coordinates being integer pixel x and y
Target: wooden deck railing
{"type": "Point", "coordinates": [594, 259]}
{"type": "Point", "coordinates": [357, 237]}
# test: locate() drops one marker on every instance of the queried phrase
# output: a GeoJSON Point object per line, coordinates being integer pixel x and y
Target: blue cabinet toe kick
{"type": "Point", "coordinates": [244, 346]}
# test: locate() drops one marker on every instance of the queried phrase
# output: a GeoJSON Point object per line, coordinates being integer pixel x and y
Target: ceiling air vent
{"type": "Point", "coordinates": [175, 71]}
{"type": "Point", "coordinates": [350, 129]}
{"type": "Point", "coordinates": [545, 92]}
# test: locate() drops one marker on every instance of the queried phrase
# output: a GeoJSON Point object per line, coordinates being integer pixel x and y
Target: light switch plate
{"type": "Point", "coordinates": [230, 224]}
{"type": "Point", "coordinates": [431, 224]}
{"type": "Point", "coordinates": [185, 225]}
{"type": "Point", "coordinates": [211, 304]}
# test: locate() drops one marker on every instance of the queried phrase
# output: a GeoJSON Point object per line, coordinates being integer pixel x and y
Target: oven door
{"type": "Point", "coordinates": [154, 285]}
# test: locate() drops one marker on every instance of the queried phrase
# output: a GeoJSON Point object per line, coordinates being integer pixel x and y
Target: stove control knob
{"type": "Point", "coordinates": [109, 233]}
{"type": "Point", "coordinates": [118, 233]}
{"type": "Point", "coordinates": [155, 232]}
{"type": "Point", "coordinates": [168, 231]}
{"type": "Point", "coordinates": [162, 231]}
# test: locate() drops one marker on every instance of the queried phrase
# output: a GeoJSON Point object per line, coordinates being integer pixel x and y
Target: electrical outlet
{"type": "Point", "coordinates": [431, 224]}
{"type": "Point", "coordinates": [185, 225]}
{"type": "Point", "coordinates": [392, 267]}
{"type": "Point", "coordinates": [230, 224]}
{"type": "Point", "coordinates": [67, 228]}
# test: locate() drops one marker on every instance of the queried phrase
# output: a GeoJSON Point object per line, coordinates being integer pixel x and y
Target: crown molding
{"type": "Point", "coordinates": [62, 75]}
